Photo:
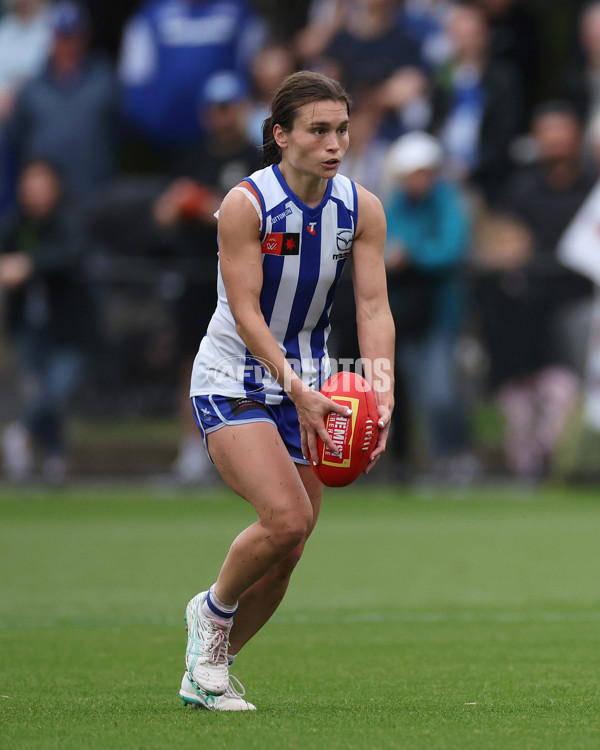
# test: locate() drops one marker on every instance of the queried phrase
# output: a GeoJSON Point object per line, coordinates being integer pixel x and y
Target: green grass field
{"type": "Point", "coordinates": [414, 621]}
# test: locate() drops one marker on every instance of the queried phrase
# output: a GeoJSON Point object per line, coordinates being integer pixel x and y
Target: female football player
{"type": "Point", "coordinates": [284, 234]}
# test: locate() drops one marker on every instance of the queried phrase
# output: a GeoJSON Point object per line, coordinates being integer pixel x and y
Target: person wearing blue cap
{"type": "Point", "coordinates": [69, 18]}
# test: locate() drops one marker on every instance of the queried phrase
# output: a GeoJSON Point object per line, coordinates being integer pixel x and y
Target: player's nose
{"type": "Point", "coordinates": [332, 144]}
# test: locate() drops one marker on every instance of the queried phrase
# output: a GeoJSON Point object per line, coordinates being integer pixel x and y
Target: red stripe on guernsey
{"type": "Point", "coordinates": [249, 186]}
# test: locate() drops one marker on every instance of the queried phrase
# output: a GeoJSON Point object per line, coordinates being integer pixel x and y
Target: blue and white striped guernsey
{"type": "Point", "coordinates": [304, 251]}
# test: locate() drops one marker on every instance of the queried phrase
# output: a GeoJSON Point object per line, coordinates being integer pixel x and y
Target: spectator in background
{"type": "Point", "coordinates": [50, 318]}
{"type": "Point", "coordinates": [477, 105]}
{"type": "Point", "coordinates": [68, 113]}
{"type": "Point", "coordinates": [269, 68]}
{"type": "Point", "coordinates": [581, 81]}
{"type": "Point", "coordinates": [428, 240]}
{"type": "Point", "coordinates": [422, 20]}
{"type": "Point", "coordinates": [425, 20]}
{"type": "Point", "coordinates": [185, 211]}
{"type": "Point", "coordinates": [534, 312]}
{"type": "Point", "coordinates": [325, 19]}
{"type": "Point", "coordinates": [515, 39]}
{"type": "Point", "coordinates": [169, 49]}
{"type": "Point", "coordinates": [24, 46]}
{"type": "Point", "coordinates": [380, 65]}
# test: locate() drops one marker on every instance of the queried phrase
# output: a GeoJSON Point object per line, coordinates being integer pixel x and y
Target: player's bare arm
{"type": "Point", "coordinates": [374, 321]}
{"type": "Point", "coordinates": [241, 268]}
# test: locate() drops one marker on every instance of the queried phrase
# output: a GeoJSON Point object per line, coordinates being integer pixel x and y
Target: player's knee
{"type": "Point", "coordinates": [292, 532]}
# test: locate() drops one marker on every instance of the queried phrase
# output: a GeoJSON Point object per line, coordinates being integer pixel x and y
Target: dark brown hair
{"type": "Point", "coordinates": [296, 90]}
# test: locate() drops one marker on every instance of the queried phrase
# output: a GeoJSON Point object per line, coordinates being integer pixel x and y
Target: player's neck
{"type": "Point", "coordinates": [309, 188]}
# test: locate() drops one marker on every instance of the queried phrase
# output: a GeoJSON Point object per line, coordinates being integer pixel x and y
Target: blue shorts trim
{"type": "Point", "coordinates": [213, 412]}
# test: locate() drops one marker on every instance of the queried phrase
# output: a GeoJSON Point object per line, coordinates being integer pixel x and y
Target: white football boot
{"type": "Point", "coordinates": [231, 700]}
{"type": "Point", "coordinates": [206, 654]}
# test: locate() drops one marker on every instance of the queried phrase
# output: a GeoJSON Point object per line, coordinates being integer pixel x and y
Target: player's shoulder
{"type": "Point", "coordinates": [239, 198]}
{"type": "Point", "coordinates": [369, 206]}
{"type": "Point", "coordinates": [243, 203]}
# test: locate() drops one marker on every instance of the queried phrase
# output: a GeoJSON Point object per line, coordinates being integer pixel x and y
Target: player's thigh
{"type": "Point", "coordinates": [254, 463]}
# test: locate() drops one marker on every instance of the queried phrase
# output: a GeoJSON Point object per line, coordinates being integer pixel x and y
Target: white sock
{"type": "Point", "coordinates": [213, 607]}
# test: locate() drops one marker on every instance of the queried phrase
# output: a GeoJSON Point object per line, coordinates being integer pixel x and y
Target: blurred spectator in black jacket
{"type": "Point", "coordinates": [380, 64]}
{"type": "Point", "coordinates": [546, 196]}
{"type": "Point", "coordinates": [515, 39]}
{"type": "Point", "coordinates": [68, 113]}
{"type": "Point", "coordinates": [477, 105]}
{"type": "Point", "coordinates": [581, 81]}
{"type": "Point", "coordinates": [185, 211]}
{"type": "Point", "coordinates": [534, 310]}
{"type": "Point", "coordinates": [50, 318]}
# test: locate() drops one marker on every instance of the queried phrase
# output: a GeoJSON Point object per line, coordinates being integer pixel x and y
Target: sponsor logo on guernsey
{"type": "Point", "coordinates": [343, 240]}
{"type": "Point", "coordinates": [311, 227]}
{"type": "Point", "coordinates": [282, 215]}
{"type": "Point", "coordinates": [281, 243]}
{"type": "Point", "coordinates": [341, 431]}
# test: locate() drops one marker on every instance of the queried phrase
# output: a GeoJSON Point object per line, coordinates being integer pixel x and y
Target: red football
{"type": "Point", "coordinates": [354, 436]}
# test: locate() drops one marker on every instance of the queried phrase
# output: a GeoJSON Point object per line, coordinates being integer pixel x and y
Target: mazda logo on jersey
{"type": "Point", "coordinates": [344, 239]}
{"type": "Point", "coordinates": [281, 243]}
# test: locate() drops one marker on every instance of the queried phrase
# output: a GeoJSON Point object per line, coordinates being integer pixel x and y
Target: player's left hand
{"type": "Point", "coordinates": [385, 416]}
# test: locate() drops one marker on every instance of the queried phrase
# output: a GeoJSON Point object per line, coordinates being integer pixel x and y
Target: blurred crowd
{"type": "Point", "coordinates": [112, 166]}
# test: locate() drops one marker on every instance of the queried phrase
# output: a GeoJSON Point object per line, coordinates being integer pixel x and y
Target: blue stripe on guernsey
{"type": "Point", "coordinates": [272, 271]}
{"type": "Point", "coordinates": [354, 213]}
{"type": "Point", "coordinates": [310, 265]}
{"type": "Point", "coordinates": [279, 215]}
{"type": "Point", "coordinates": [344, 217]}
{"type": "Point", "coordinates": [317, 339]}
{"type": "Point", "coordinates": [321, 330]}
{"type": "Point", "coordinates": [272, 264]}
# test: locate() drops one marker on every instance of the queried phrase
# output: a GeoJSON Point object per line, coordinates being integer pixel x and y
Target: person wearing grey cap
{"type": "Point", "coordinates": [428, 239]}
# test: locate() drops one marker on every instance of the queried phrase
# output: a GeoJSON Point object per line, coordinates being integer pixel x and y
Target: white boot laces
{"type": "Point", "coordinates": [236, 690]}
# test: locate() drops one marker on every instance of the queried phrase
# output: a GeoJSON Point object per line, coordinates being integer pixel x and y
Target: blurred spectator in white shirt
{"type": "Point", "coordinates": [25, 37]}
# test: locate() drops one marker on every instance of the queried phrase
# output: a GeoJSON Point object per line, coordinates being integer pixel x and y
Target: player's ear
{"type": "Point", "coordinates": [279, 135]}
